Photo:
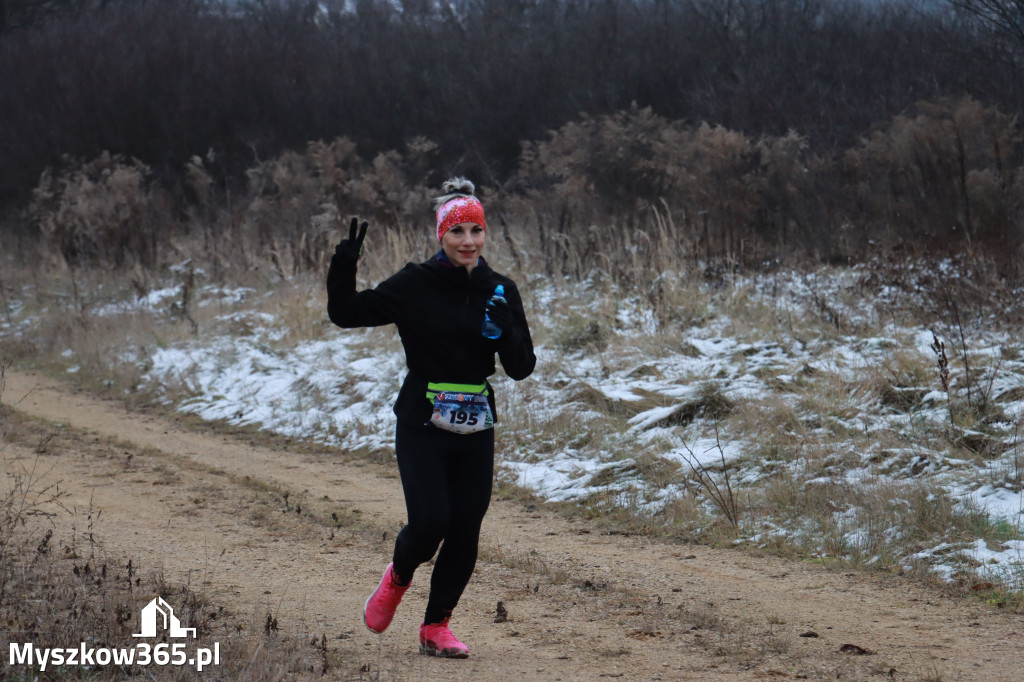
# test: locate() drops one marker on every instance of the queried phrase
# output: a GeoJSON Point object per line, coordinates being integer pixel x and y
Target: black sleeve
{"type": "Point", "coordinates": [369, 308]}
{"type": "Point", "coordinates": [515, 347]}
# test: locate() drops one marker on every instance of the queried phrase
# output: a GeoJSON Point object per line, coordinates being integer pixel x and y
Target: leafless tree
{"type": "Point", "coordinates": [1003, 16]}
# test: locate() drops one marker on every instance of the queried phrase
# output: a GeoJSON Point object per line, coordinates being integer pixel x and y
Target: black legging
{"type": "Point", "coordinates": [447, 482]}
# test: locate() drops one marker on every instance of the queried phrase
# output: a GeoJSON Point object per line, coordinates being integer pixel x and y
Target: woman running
{"type": "Point", "coordinates": [444, 440]}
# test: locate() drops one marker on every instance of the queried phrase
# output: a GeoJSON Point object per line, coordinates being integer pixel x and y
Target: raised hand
{"type": "Point", "coordinates": [349, 250]}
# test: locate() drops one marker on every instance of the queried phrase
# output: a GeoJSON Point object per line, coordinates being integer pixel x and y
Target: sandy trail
{"type": "Point", "coordinates": [582, 605]}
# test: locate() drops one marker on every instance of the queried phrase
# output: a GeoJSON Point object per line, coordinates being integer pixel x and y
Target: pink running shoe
{"type": "Point", "coordinates": [380, 607]}
{"type": "Point", "coordinates": [437, 640]}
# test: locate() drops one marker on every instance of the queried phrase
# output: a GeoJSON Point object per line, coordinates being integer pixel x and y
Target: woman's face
{"type": "Point", "coordinates": [463, 244]}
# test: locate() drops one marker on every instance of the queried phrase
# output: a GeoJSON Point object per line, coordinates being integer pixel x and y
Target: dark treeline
{"type": "Point", "coordinates": [164, 80]}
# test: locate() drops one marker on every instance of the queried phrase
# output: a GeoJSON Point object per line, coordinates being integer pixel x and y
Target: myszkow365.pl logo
{"type": "Point", "coordinates": [156, 616]}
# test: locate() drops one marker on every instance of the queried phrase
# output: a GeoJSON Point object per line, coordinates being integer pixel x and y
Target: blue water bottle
{"type": "Point", "coordinates": [490, 329]}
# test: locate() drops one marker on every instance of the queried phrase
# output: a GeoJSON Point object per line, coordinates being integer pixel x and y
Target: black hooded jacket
{"type": "Point", "coordinates": [439, 311]}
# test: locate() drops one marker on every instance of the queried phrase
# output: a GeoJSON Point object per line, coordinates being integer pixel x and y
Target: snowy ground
{"type": "Point", "coordinates": [339, 388]}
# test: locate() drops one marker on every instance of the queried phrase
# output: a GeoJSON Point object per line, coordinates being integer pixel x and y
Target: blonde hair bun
{"type": "Point", "coordinates": [458, 185]}
{"type": "Point", "coordinates": [452, 188]}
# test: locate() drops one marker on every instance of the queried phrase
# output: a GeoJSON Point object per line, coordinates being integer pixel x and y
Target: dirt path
{"type": "Point", "coordinates": [581, 605]}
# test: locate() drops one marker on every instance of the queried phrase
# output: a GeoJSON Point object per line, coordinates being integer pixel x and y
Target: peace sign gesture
{"type": "Point", "coordinates": [348, 250]}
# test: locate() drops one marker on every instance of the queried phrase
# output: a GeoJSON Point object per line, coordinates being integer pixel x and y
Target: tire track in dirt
{"type": "Point", "coordinates": [582, 605]}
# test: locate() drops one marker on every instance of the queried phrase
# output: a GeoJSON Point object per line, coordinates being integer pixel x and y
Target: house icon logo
{"type": "Point", "coordinates": [156, 612]}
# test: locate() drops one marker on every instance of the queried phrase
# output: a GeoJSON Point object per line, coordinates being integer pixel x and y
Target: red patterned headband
{"type": "Point", "coordinates": [457, 211]}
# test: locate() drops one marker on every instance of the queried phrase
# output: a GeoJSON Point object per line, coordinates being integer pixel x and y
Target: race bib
{"type": "Point", "coordinates": [461, 412]}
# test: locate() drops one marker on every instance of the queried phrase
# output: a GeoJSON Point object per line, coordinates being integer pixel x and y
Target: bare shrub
{"type": "Point", "coordinates": [794, 212]}
{"type": "Point", "coordinates": [24, 497]}
{"type": "Point", "coordinates": [969, 383]}
{"type": "Point", "coordinates": [716, 485]}
{"type": "Point", "coordinates": [722, 191]}
{"type": "Point", "coordinates": [668, 192]}
{"type": "Point", "coordinates": [945, 175]}
{"type": "Point", "coordinates": [296, 202]}
{"type": "Point", "coordinates": [629, 198]}
{"type": "Point", "coordinates": [99, 213]}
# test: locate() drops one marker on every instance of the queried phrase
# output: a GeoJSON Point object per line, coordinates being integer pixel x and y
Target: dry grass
{"type": "Point", "coordinates": [804, 429]}
{"type": "Point", "coordinates": [608, 299]}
